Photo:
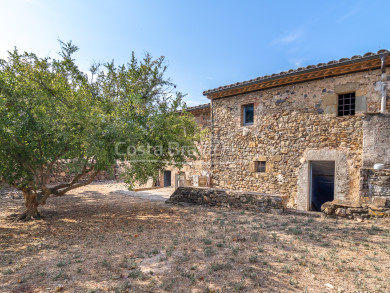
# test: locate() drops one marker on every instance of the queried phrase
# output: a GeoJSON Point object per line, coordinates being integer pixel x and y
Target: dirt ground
{"type": "Point", "coordinates": [103, 239]}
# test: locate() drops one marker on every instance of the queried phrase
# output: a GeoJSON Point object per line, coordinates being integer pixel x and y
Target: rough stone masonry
{"type": "Point", "coordinates": [295, 124]}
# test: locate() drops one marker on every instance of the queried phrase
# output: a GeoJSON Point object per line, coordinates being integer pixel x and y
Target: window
{"type": "Point", "coordinates": [248, 114]}
{"type": "Point", "coordinates": [260, 166]}
{"type": "Point", "coordinates": [346, 105]}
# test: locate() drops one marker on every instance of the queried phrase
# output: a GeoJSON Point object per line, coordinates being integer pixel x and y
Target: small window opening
{"type": "Point", "coordinates": [346, 105]}
{"type": "Point", "coordinates": [260, 166]}
{"type": "Point", "coordinates": [248, 114]}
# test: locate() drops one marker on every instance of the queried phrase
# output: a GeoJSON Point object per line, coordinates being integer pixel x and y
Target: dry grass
{"type": "Point", "coordinates": [97, 241]}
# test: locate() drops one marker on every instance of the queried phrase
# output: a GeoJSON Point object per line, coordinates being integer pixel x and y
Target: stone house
{"type": "Point", "coordinates": [313, 134]}
{"type": "Point", "coordinates": [193, 173]}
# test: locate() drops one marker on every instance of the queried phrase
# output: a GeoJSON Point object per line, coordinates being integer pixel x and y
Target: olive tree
{"type": "Point", "coordinates": [51, 112]}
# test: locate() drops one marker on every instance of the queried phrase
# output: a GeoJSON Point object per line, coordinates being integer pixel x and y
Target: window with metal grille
{"type": "Point", "coordinates": [248, 114]}
{"type": "Point", "coordinates": [346, 105]}
{"type": "Point", "coordinates": [260, 166]}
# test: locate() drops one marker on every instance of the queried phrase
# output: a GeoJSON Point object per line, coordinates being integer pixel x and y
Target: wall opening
{"type": "Point", "coordinates": [167, 178]}
{"type": "Point", "coordinates": [322, 177]}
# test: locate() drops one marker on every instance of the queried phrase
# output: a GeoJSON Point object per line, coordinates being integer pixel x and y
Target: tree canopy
{"type": "Point", "coordinates": [51, 112]}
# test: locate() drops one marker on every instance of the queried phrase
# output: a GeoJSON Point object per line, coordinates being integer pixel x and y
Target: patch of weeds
{"type": "Point", "coordinates": [140, 229]}
{"type": "Point", "coordinates": [169, 251]}
{"type": "Point", "coordinates": [140, 253]}
{"type": "Point", "coordinates": [294, 230]}
{"type": "Point", "coordinates": [61, 264]}
{"type": "Point", "coordinates": [221, 266]}
{"type": "Point", "coordinates": [242, 222]}
{"type": "Point", "coordinates": [206, 241]}
{"type": "Point", "coordinates": [255, 236]}
{"type": "Point", "coordinates": [260, 248]}
{"type": "Point", "coordinates": [209, 252]}
{"type": "Point", "coordinates": [374, 229]}
{"type": "Point", "coordinates": [124, 287]}
{"type": "Point", "coordinates": [136, 274]}
{"type": "Point", "coordinates": [293, 282]}
{"type": "Point", "coordinates": [128, 263]}
{"type": "Point", "coordinates": [274, 237]}
{"type": "Point", "coordinates": [239, 286]}
{"type": "Point", "coordinates": [153, 252]}
{"type": "Point", "coordinates": [236, 250]}
{"type": "Point", "coordinates": [170, 285]}
{"type": "Point", "coordinates": [106, 264]}
{"type": "Point", "coordinates": [287, 269]}
{"type": "Point", "coordinates": [253, 259]}
{"type": "Point", "coordinates": [61, 275]}
{"type": "Point", "coordinates": [8, 272]}
{"type": "Point", "coordinates": [189, 276]}
{"type": "Point", "coordinates": [220, 244]}
{"type": "Point", "coordinates": [185, 257]}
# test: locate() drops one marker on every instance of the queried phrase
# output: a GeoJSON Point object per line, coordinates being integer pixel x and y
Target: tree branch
{"type": "Point", "coordinates": [91, 178]}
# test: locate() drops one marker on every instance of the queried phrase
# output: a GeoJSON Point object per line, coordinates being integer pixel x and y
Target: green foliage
{"type": "Point", "coordinates": [52, 112]}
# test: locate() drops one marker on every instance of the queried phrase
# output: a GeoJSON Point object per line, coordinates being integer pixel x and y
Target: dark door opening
{"type": "Point", "coordinates": [167, 178]}
{"type": "Point", "coordinates": [321, 183]}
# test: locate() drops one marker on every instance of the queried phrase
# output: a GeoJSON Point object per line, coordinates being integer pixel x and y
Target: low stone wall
{"type": "Point", "coordinates": [375, 187]}
{"type": "Point", "coordinates": [353, 210]}
{"type": "Point", "coordinates": [229, 198]}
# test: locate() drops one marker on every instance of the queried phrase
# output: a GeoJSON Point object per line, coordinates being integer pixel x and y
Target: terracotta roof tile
{"type": "Point", "coordinates": [332, 63]}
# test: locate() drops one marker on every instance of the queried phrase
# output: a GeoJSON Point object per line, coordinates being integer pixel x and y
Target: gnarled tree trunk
{"type": "Point", "coordinates": [31, 202]}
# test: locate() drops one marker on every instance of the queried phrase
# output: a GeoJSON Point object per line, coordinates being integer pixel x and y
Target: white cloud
{"type": "Point", "coordinates": [289, 38]}
{"type": "Point", "coordinates": [348, 15]}
{"type": "Point", "coordinates": [296, 62]}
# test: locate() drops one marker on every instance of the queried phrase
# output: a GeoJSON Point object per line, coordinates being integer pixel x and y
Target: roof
{"type": "Point", "coordinates": [343, 66]}
{"type": "Point", "coordinates": [199, 107]}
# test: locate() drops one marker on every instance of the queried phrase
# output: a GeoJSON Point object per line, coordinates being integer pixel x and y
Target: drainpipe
{"type": "Point", "coordinates": [383, 82]}
{"type": "Point", "coordinates": [211, 140]}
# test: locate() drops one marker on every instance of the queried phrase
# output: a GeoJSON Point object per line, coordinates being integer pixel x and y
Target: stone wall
{"type": "Point", "coordinates": [375, 184]}
{"type": "Point", "coordinates": [293, 125]}
{"type": "Point", "coordinates": [62, 174]}
{"type": "Point", "coordinates": [376, 146]}
{"type": "Point", "coordinates": [354, 210]}
{"type": "Point", "coordinates": [228, 198]}
{"type": "Point", "coordinates": [201, 166]}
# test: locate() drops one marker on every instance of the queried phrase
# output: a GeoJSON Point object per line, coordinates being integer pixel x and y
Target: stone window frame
{"type": "Point", "coordinates": [330, 100]}
{"type": "Point", "coordinates": [268, 165]}
{"type": "Point", "coordinates": [261, 166]}
{"type": "Point", "coordinates": [342, 113]}
{"type": "Point", "coordinates": [243, 114]}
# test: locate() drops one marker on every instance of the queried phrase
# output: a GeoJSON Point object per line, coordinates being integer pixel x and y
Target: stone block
{"type": "Point", "coordinates": [277, 158]}
{"type": "Point", "coordinates": [361, 92]}
{"type": "Point", "coordinates": [349, 87]}
{"type": "Point", "coordinates": [361, 104]}
{"type": "Point", "coordinates": [332, 109]}
{"type": "Point", "coordinates": [340, 212]}
{"type": "Point", "coordinates": [380, 201]}
{"type": "Point", "coordinates": [329, 100]}
{"type": "Point", "coordinates": [260, 158]}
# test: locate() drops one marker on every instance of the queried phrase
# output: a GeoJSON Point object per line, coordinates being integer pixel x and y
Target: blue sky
{"type": "Point", "coordinates": [206, 43]}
